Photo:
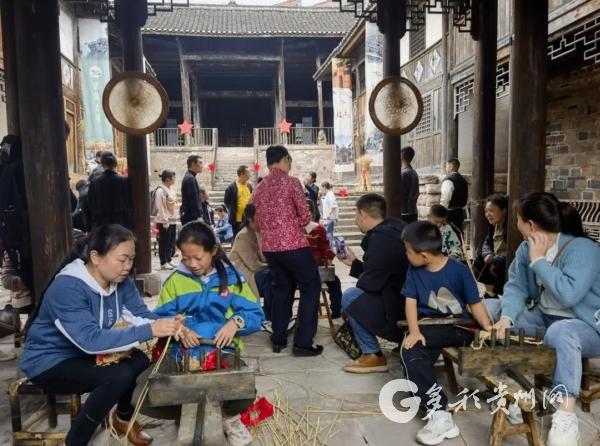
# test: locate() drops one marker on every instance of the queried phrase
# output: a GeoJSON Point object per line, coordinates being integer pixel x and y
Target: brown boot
{"type": "Point", "coordinates": [136, 437]}
{"type": "Point", "coordinates": [369, 363]}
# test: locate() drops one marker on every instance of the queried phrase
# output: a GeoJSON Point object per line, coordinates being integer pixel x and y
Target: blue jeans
{"type": "Point", "coordinates": [366, 340]}
{"type": "Point", "coordinates": [573, 339]}
{"type": "Point", "coordinates": [329, 224]}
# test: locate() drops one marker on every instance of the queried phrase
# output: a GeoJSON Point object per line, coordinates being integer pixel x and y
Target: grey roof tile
{"type": "Point", "coordinates": [250, 21]}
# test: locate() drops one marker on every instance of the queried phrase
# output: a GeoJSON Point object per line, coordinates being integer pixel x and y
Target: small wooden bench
{"type": "Point", "coordinates": [23, 432]}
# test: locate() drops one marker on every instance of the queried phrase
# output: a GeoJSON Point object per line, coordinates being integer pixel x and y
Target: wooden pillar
{"type": "Point", "coordinates": [449, 122]}
{"type": "Point", "coordinates": [7, 10]}
{"type": "Point", "coordinates": [393, 26]}
{"type": "Point", "coordinates": [186, 102]}
{"type": "Point", "coordinates": [44, 152]}
{"type": "Point", "coordinates": [131, 16]}
{"type": "Point", "coordinates": [320, 96]}
{"type": "Point", "coordinates": [196, 117]}
{"type": "Point", "coordinates": [529, 79]}
{"type": "Point", "coordinates": [281, 84]}
{"type": "Point", "coordinates": [484, 116]}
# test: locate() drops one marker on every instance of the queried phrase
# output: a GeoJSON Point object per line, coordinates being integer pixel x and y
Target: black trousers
{"type": "Point", "coordinates": [289, 268]}
{"type": "Point", "coordinates": [107, 386]}
{"type": "Point", "coordinates": [166, 242]}
{"type": "Point", "coordinates": [418, 361]}
{"type": "Point", "coordinates": [456, 219]}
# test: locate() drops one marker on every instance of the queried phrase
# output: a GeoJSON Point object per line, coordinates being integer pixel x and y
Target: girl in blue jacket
{"type": "Point", "coordinates": [554, 283]}
{"type": "Point", "coordinates": [215, 300]}
{"type": "Point", "coordinates": [74, 323]}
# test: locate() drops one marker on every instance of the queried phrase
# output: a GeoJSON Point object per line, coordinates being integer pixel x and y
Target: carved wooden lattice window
{"type": "Point", "coordinates": [416, 40]}
{"type": "Point", "coordinates": [425, 125]}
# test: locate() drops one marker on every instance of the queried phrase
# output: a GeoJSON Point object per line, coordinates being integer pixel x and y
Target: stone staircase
{"type": "Point", "coordinates": [228, 161]}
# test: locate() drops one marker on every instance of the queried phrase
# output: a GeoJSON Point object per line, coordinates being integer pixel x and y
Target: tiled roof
{"type": "Point", "coordinates": [235, 21]}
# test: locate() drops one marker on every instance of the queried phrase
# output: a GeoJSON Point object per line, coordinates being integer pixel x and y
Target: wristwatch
{"type": "Point", "coordinates": [239, 322]}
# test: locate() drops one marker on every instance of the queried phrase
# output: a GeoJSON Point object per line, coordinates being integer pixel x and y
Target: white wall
{"type": "Point", "coordinates": [433, 29]}
{"type": "Point", "coordinates": [404, 49]}
{"type": "Point", "coordinates": [65, 24]}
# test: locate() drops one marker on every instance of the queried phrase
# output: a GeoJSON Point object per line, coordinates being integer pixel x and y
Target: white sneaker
{"type": "Point", "coordinates": [514, 414]}
{"type": "Point", "coordinates": [564, 430]}
{"type": "Point", "coordinates": [237, 433]}
{"type": "Point", "coordinates": [266, 326]}
{"type": "Point", "coordinates": [439, 427]}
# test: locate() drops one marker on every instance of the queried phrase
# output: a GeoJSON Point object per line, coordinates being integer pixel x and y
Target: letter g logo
{"type": "Point", "coordinates": [386, 404]}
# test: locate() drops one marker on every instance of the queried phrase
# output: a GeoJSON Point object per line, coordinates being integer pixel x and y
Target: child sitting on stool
{"type": "Point", "coordinates": [223, 228]}
{"type": "Point", "coordinates": [436, 286]}
{"type": "Point", "coordinates": [451, 245]}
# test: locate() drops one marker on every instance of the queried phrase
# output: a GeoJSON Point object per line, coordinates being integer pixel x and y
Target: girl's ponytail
{"type": "Point", "coordinates": [570, 220]}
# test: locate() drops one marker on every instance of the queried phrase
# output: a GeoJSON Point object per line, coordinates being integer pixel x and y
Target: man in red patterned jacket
{"type": "Point", "coordinates": [282, 214]}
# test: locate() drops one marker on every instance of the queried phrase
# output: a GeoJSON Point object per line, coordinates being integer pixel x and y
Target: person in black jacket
{"type": "Point", "coordinates": [237, 196]}
{"type": "Point", "coordinates": [109, 197]}
{"type": "Point", "coordinates": [191, 201]}
{"type": "Point", "coordinates": [311, 190]}
{"type": "Point", "coordinates": [375, 306]}
{"type": "Point", "coordinates": [455, 196]}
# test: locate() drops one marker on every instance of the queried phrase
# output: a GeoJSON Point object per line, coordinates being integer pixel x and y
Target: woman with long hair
{"type": "Point", "coordinates": [76, 321]}
{"type": "Point", "coordinates": [554, 283]}
{"type": "Point", "coordinates": [166, 218]}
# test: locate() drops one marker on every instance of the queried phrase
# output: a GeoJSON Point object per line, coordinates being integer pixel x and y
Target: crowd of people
{"type": "Point", "coordinates": [282, 239]}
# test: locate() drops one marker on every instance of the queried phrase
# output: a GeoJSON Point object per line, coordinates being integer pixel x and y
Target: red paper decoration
{"type": "Point", "coordinates": [256, 167]}
{"type": "Point", "coordinates": [284, 126]}
{"type": "Point", "coordinates": [185, 128]}
{"type": "Point", "coordinates": [212, 167]}
{"type": "Point", "coordinates": [257, 412]}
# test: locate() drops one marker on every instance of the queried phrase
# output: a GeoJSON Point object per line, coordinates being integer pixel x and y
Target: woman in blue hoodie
{"type": "Point", "coordinates": [75, 322]}
{"type": "Point", "coordinates": [554, 284]}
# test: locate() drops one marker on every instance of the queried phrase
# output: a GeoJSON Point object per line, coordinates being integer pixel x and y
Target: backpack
{"type": "Point", "coordinates": [153, 206]}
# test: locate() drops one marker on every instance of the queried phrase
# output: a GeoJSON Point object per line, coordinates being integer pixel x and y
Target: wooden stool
{"type": "Point", "coordinates": [589, 391]}
{"type": "Point", "coordinates": [327, 274]}
{"type": "Point", "coordinates": [22, 432]}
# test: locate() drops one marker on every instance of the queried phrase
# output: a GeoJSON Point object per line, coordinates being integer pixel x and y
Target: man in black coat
{"type": "Point", "coordinates": [109, 197]}
{"type": "Point", "coordinates": [311, 191]}
{"type": "Point", "coordinates": [191, 200]}
{"type": "Point", "coordinates": [375, 305]}
{"type": "Point", "coordinates": [455, 196]}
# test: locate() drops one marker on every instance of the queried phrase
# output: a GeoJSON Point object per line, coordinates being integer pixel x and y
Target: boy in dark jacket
{"type": "Point", "coordinates": [375, 306]}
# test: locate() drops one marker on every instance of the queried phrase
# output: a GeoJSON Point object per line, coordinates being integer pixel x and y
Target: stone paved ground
{"type": "Point", "coordinates": [315, 395]}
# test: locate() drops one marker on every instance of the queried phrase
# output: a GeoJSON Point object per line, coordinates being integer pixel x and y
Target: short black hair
{"type": "Point", "coordinates": [108, 159]}
{"type": "Point", "coordinates": [423, 237]}
{"type": "Point", "coordinates": [455, 162]}
{"type": "Point", "coordinates": [326, 185]}
{"type": "Point", "coordinates": [241, 170]}
{"type": "Point", "coordinates": [313, 175]}
{"type": "Point", "coordinates": [219, 209]}
{"type": "Point", "coordinates": [407, 153]}
{"type": "Point", "coordinates": [372, 204]}
{"type": "Point", "coordinates": [99, 153]}
{"type": "Point", "coordinates": [438, 210]}
{"type": "Point", "coordinates": [276, 154]}
{"type": "Point", "coordinates": [193, 159]}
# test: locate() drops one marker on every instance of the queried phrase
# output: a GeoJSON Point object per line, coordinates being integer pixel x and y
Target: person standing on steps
{"type": "Point", "coordinates": [191, 204]}
{"type": "Point", "coordinates": [237, 196]}
{"type": "Point", "coordinates": [455, 195]}
{"type": "Point", "coordinates": [410, 186]}
{"type": "Point", "coordinates": [282, 214]}
{"type": "Point", "coordinates": [312, 191]}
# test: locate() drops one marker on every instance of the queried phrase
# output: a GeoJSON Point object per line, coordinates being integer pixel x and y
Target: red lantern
{"type": "Point", "coordinates": [212, 167]}
{"type": "Point", "coordinates": [256, 167]}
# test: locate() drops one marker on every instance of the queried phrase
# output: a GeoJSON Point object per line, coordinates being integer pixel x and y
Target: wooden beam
{"type": "Point", "coordinates": [226, 57]}
{"type": "Point", "coordinates": [7, 11]}
{"type": "Point", "coordinates": [527, 126]}
{"type": "Point", "coordinates": [237, 94]}
{"type": "Point", "coordinates": [131, 16]}
{"type": "Point", "coordinates": [44, 147]}
{"type": "Point", "coordinates": [308, 104]}
{"type": "Point", "coordinates": [449, 122]}
{"type": "Point", "coordinates": [392, 26]}
{"type": "Point", "coordinates": [185, 90]}
{"type": "Point", "coordinates": [484, 118]}
{"type": "Point", "coordinates": [196, 100]}
{"type": "Point", "coordinates": [281, 83]}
